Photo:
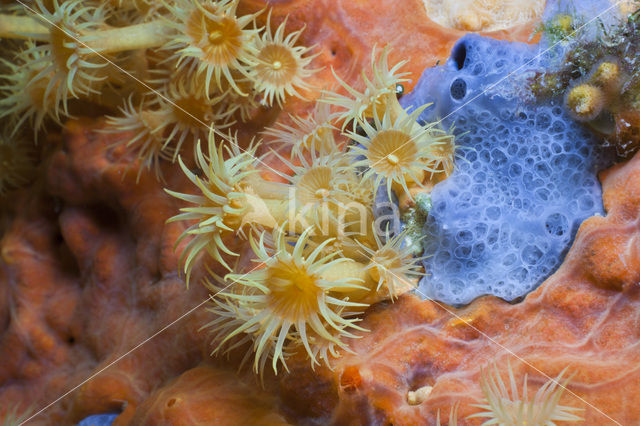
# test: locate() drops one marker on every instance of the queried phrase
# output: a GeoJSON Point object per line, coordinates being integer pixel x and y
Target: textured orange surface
{"type": "Point", "coordinates": [585, 316]}
{"type": "Point", "coordinates": [89, 273]}
{"type": "Point", "coordinates": [347, 30]}
{"type": "Point", "coordinates": [205, 395]}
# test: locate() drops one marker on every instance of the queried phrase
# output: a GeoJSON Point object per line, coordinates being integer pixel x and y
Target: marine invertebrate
{"type": "Point", "coordinates": [314, 133]}
{"type": "Point", "coordinates": [392, 265]}
{"type": "Point", "coordinates": [585, 102]}
{"type": "Point", "coordinates": [503, 220]}
{"type": "Point", "coordinates": [397, 151]}
{"type": "Point", "coordinates": [67, 64]}
{"type": "Point", "coordinates": [318, 188]}
{"type": "Point", "coordinates": [315, 212]}
{"type": "Point", "coordinates": [505, 407]}
{"type": "Point", "coordinates": [379, 92]}
{"type": "Point", "coordinates": [213, 41]}
{"type": "Point", "coordinates": [190, 114]}
{"type": "Point", "coordinates": [218, 209]}
{"type": "Point", "coordinates": [25, 97]}
{"type": "Point", "coordinates": [281, 67]}
{"type": "Point", "coordinates": [289, 297]}
{"type": "Point", "coordinates": [148, 141]}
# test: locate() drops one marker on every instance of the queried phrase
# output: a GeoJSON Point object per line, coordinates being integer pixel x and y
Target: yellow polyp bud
{"type": "Point", "coordinates": [393, 159]}
{"type": "Point", "coordinates": [564, 22]}
{"type": "Point", "coordinates": [276, 65]}
{"type": "Point", "coordinates": [585, 102]}
{"type": "Point", "coordinates": [215, 36]}
{"type": "Point", "coordinates": [606, 75]}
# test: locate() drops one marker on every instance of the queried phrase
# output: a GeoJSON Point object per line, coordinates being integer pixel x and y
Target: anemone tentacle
{"type": "Point", "coordinates": [398, 152]}
{"type": "Point", "coordinates": [287, 299]}
{"type": "Point", "coordinates": [212, 41]}
{"type": "Point", "coordinates": [219, 208]}
{"type": "Point", "coordinates": [281, 67]}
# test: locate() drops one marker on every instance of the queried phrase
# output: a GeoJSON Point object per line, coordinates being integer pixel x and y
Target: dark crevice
{"type": "Point", "coordinates": [459, 55]}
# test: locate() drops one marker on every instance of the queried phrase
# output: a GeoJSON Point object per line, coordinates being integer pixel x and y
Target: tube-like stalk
{"type": "Point", "coordinates": [22, 27]}
{"type": "Point", "coordinates": [140, 36]}
{"type": "Point", "coordinates": [264, 188]}
{"type": "Point", "coordinates": [349, 268]}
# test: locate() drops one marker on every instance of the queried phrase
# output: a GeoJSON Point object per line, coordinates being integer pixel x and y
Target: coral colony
{"type": "Point", "coordinates": [486, 172]}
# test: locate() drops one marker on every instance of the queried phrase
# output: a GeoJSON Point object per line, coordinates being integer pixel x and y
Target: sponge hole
{"type": "Point", "coordinates": [557, 225]}
{"type": "Point", "coordinates": [459, 55]}
{"type": "Point", "coordinates": [458, 89]}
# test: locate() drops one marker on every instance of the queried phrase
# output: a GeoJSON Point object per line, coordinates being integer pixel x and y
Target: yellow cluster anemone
{"type": "Point", "coordinates": [288, 299]}
{"type": "Point", "coordinates": [379, 91]}
{"type": "Point", "coordinates": [180, 66]}
{"type": "Point", "coordinates": [211, 40]}
{"type": "Point", "coordinates": [219, 206]}
{"type": "Point", "coordinates": [505, 406]}
{"type": "Point", "coordinates": [174, 72]}
{"type": "Point", "coordinates": [66, 62]}
{"type": "Point", "coordinates": [398, 151]}
{"type": "Point", "coordinates": [317, 190]}
{"type": "Point", "coordinates": [27, 99]}
{"type": "Point", "coordinates": [314, 133]}
{"type": "Point", "coordinates": [392, 264]}
{"type": "Point", "coordinates": [148, 142]}
{"type": "Point", "coordinates": [190, 114]}
{"type": "Point", "coordinates": [319, 261]}
{"type": "Point", "coordinates": [281, 67]}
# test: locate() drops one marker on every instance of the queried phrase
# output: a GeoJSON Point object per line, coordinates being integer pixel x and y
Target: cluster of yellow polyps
{"type": "Point", "coordinates": [321, 257]}
{"type": "Point", "coordinates": [182, 66]}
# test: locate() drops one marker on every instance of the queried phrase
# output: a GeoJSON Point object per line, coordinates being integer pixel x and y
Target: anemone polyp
{"type": "Point", "coordinates": [148, 142]}
{"type": "Point", "coordinates": [317, 189]}
{"type": "Point", "coordinates": [378, 95]}
{"type": "Point", "coordinates": [314, 133]}
{"type": "Point", "coordinates": [392, 264]}
{"type": "Point", "coordinates": [219, 208]}
{"type": "Point", "coordinates": [191, 112]}
{"type": "Point", "coordinates": [504, 405]}
{"type": "Point", "coordinates": [399, 152]}
{"type": "Point", "coordinates": [66, 62]}
{"type": "Point", "coordinates": [27, 98]}
{"type": "Point", "coordinates": [213, 40]}
{"type": "Point", "coordinates": [585, 101]}
{"type": "Point", "coordinates": [281, 67]}
{"type": "Point", "coordinates": [288, 299]}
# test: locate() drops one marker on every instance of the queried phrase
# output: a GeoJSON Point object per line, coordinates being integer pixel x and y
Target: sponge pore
{"type": "Point", "coordinates": [525, 177]}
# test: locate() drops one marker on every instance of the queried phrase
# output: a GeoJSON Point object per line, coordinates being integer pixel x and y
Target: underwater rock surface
{"type": "Point", "coordinates": [88, 263]}
{"type": "Point", "coordinates": [585, 316]}
{"type": "Point", "coordinates": [524, 181]}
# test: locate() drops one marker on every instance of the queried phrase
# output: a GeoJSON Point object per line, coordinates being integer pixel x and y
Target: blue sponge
{"type": "Point", "coordinates": [98, 420]}
{"type": "Point", "coordinates": [524, 181]}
